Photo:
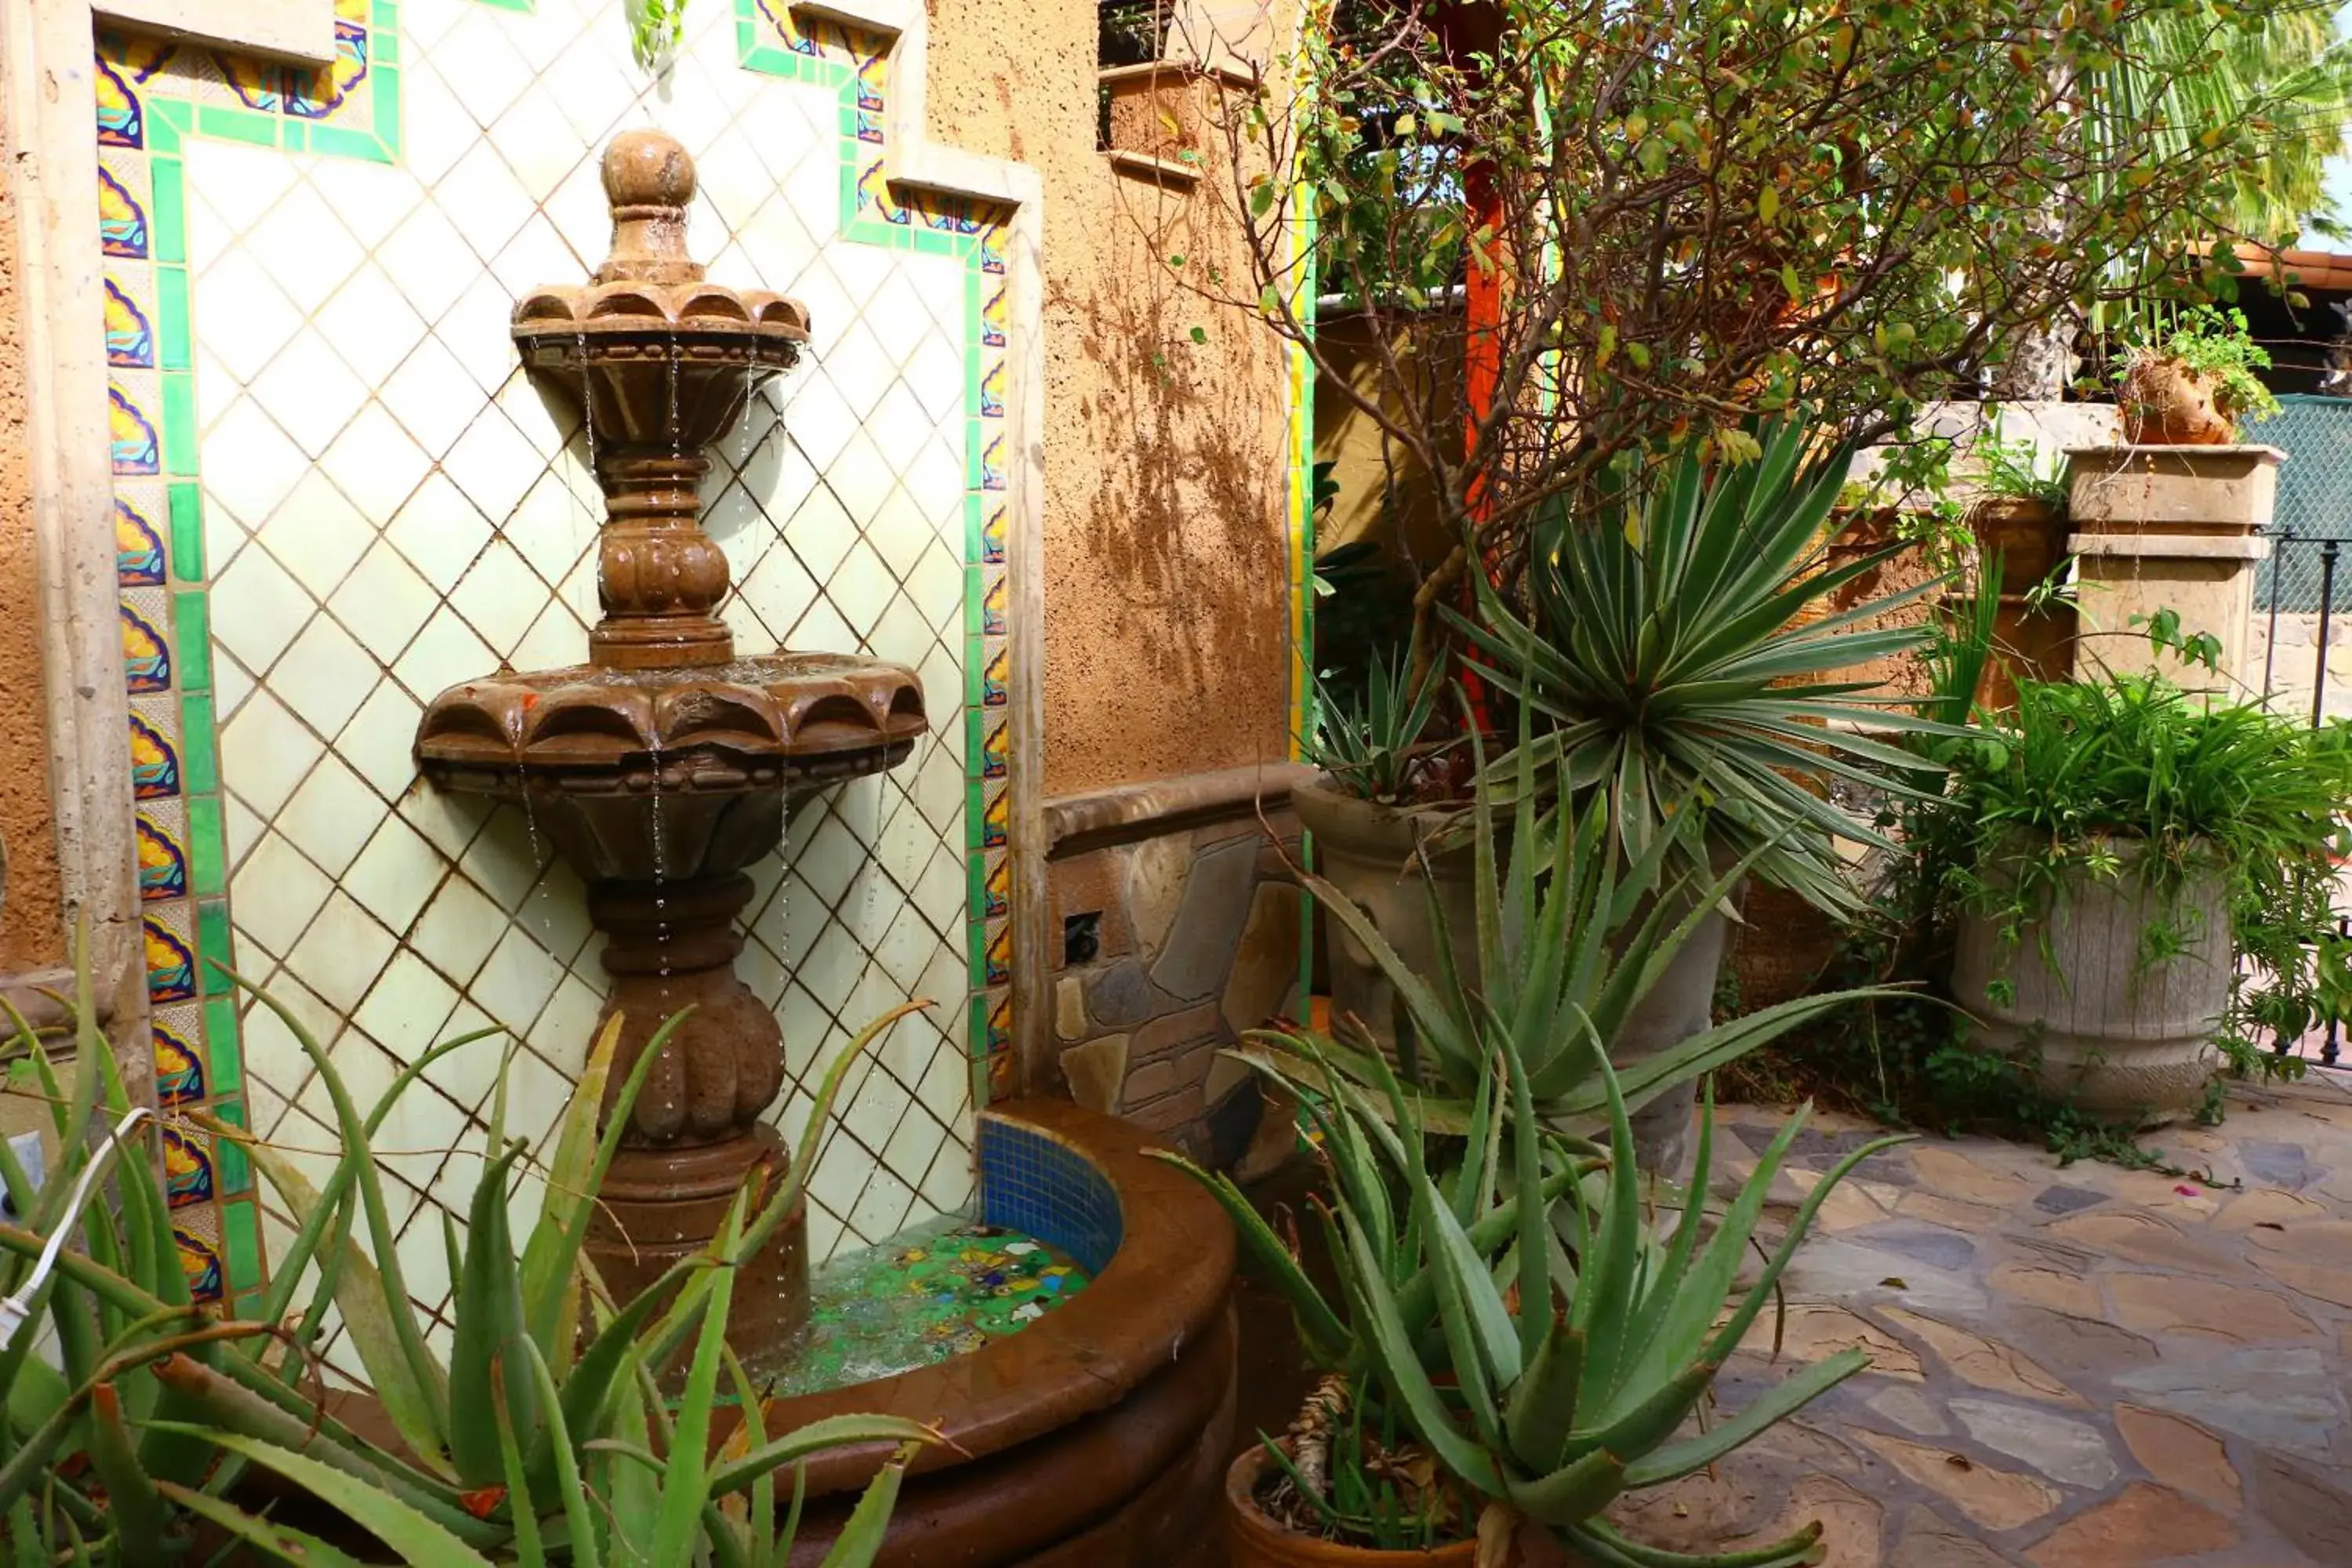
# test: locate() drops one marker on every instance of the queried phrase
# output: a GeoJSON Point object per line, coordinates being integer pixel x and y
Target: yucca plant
{"type": "Point", "coordinates": [1378, 748]}
{"type": "Point", "coordinates": [1667, 652]}
{"type": "Point", "coordinates": [170, 1406]}
{"type": "Point", "coordinates": [1549, 1355]}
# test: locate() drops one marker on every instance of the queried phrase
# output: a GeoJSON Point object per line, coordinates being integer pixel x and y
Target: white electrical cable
{"type": "Point", "coordinates": [15, 1309]}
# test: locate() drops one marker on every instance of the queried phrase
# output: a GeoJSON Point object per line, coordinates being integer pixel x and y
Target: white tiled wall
{"type": "Point", "coordinates": [392, 505]}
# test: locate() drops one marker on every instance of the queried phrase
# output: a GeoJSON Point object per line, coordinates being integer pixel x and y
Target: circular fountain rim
{"type": "Point", "coordinates": [1163, 1291]}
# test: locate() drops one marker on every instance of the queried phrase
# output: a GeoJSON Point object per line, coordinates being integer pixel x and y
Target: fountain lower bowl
{"type": "Point", "coordinates": [1098, 1434]}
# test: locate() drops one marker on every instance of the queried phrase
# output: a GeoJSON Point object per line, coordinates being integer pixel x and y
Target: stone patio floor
{"type": "Point", "coordinates": [2077, 1367]}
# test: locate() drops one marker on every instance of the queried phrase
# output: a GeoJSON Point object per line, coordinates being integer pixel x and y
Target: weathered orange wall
{"type": "Point", "coordinates": [1165, 596]}
{"type": "Point", "coordinates": [31, 923]}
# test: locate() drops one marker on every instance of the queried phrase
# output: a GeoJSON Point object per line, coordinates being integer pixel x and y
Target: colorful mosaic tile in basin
{"type": "Point", "coordinates": [941, 1290]}
{"type": "Point", "coordinates": [337, 493]}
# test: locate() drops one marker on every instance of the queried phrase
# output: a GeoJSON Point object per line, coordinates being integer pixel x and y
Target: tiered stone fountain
{"type": "Point", "coordinates": [662, 767]}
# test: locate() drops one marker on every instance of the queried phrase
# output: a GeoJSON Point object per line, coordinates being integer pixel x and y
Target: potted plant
{"type": "Point", "coordinates": [1655, 653]}
{"type": "Point", "coordinates": [1379, 814]}
{"type": "Point", "coordinates": [1510, 1348]}
{"type": "Point", "coordinates": [2187, 378]}
{"type": "Point", "coordinates": [2104, 844]}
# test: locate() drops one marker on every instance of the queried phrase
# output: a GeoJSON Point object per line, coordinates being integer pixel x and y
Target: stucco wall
{"type": "Point", "coordinates": [1165, 567]}
{"type": "Point", "coordinates": [31, 925]}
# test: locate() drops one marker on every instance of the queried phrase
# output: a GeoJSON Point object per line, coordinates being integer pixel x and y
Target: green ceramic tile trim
{"type": "Point", "coordinates": [975, 673]}
{"type": "Point", "coordinates": [180, 423]}
{"type": "Point", "coordinates": [231, 1168]}
{"type": "Point", "coordinates": [199, 745]}
{"type": "Point", "coordinates": [172, 318]}
{"type": "Point", "coordinates": [524, 7]}
{"type": "Point", "coordinates": [337, 143]}
{"type": "Point", "coordinates": [191, 633]}
{"type": "Point", "coordinates": [207, 846]}
{"type": "Point", "coordinates": [167, 211]}
{"type": "Point", "coordinates": [247, 125]}
{"type": "Point", "coordinates": [975, 613]}
{"type": "Point", "coordinates": [297, 136]}
{"type": "Point", "coordinates": [187, 508]}
{"type": "Point", "coordinates": [213, 946]}
{"type": "Point", "coordinates": [223, 1052]}
{"type": "Point", "coordinates": [242, 1241]}
{"type": "Point", "coordinates": [168, 120]}
{"type": "Point", "coordinates": [976, 1037]}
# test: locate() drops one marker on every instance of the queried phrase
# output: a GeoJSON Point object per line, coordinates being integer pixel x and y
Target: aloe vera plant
{"type": "Point", "coordinates": [171, 1406]}
{"type": "Point", "coordinates": [1549, 1354]}
{"type": "Point", "coordinates": [1571, 936]}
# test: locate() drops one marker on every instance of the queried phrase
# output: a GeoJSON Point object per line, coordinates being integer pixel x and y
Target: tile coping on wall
{"type": "Point", "coordinates": [1077, 823]}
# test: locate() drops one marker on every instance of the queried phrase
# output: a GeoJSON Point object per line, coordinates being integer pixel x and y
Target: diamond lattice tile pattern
{"type": "Point", "coordinates": [393, 507]}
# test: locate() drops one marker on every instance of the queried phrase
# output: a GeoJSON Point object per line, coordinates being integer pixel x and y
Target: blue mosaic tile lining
{"type": "Point", "coordinates": [1030, 1182]}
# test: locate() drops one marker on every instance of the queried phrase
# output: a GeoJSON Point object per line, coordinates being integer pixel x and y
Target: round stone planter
{"type": "Point", "coordinates": [1368, 851]}
{"type": "Point", "coordinates": [2125, 1040]}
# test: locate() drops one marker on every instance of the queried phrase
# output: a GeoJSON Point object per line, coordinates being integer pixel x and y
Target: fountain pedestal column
{"type": "Point", "coordinates": [695, 1139]}
{"type": "Point", "coordinates": [660, 768]}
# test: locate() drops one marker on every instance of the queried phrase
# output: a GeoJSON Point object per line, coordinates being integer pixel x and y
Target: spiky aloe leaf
{"type": "Point", "coordinates": [1792, 1394]}
{"type": "Point", "coordinates": [485, 1344]}
{"type": "Point", "coordinates": [550, 1291]}
{"type": "Point", "coordinates": [833, 1432]}
{"type": "Point", "coordinates": [280, 1543]}
{"type": "Point", "coordinates": [143, 1521]}
{"type": "Point", "coordinates": [367, 1308]}
{"type": "Point", "coordinates": [580, 1532]}
{"type": "Point", "coordinates": [1573, 1493]}
{"type": "Point", "coordinates": [861, 1538]}
{"type": "Point", "coordinates": [421, 1542]}
{"type": "Point", "coordinates": [1542, 1407]}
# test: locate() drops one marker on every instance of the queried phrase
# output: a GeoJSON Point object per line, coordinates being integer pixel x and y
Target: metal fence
{"type": "Point", "coordinates": [2315, 500]}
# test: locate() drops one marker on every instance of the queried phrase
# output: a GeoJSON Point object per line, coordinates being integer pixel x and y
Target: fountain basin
{"type": "Point", "coordinates": [1098, 1434]}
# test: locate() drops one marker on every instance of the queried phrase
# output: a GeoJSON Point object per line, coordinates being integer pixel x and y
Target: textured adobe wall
{"type": "Point", "coordinates": [1165, 595]}
{"type": "Point", "coordinates": [31, 927]}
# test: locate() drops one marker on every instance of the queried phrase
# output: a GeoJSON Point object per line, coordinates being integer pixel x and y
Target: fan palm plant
{"type": "Point", "coordinates": [1669, 655]}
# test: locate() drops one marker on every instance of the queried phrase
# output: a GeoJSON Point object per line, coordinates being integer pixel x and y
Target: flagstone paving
{"type": "Point", "coordinates": [2076, 1367]}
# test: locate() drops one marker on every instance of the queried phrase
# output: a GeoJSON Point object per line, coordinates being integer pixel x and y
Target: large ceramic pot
{"type": "Point", "coordinates": [2166, 404]}
{"type": "Point", "coordinates": [2124, 1039]}
{"type": "Point", "coordinates": [1368, 851]}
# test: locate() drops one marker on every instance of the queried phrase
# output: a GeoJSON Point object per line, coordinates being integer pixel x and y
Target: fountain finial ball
{"type": "Point", "coordinates": [647, 169]}
{"type": "Point", "coordinates": [648, 180]}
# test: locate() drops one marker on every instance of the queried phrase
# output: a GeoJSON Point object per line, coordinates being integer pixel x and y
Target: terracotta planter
{"type": "Point", "coordinates": [2166, 404]}
{"type": "Point", "coordinates": [2029, 539]}
{"type": "Point", "coordinates": [1258, 1541]}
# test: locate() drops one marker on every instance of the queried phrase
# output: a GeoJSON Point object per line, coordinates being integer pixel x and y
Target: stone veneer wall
{"type": "Point", "coordinates": [1179, 924]}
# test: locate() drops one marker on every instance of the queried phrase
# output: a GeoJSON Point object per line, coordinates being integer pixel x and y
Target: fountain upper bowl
{"type": "Point", "coordinates": [788, 720]}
